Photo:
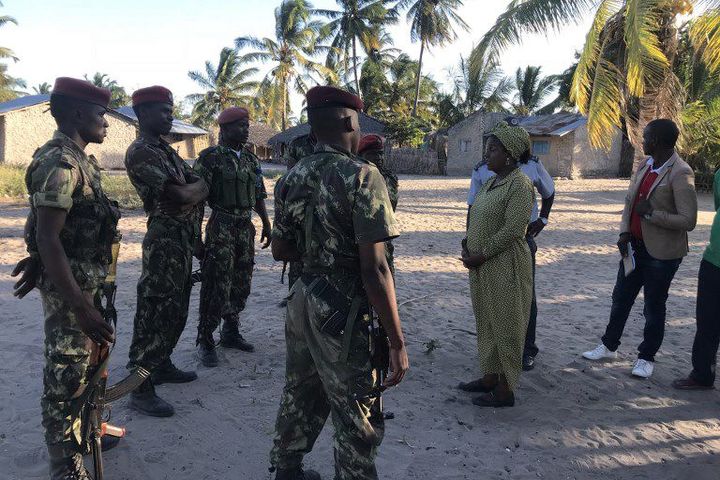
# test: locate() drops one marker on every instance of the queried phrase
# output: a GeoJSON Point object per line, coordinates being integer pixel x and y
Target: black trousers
{"type": "Point", "coordinates": [707, 336]}
{"type": "Point", "coordinates": [530, 347]}
{"type": "Point", "coordinates": [654, 276]}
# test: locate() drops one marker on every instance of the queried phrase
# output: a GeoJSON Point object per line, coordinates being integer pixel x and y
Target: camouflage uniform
{"type": "Point", "coordinates": [62, 176]}
{"type": "Point", "coordinates": [298, 149]}
{"type": "Point", "coordinates": [349, 205]}
{"type": "Point", "coordinates": [163, 291]}
{"type": "Point", "coordinates": [235, 184]}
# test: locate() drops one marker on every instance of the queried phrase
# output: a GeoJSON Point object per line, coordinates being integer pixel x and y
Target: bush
{"type": "Point", "coordinates": [12, 181]}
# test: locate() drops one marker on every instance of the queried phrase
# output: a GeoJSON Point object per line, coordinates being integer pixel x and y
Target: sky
{"type": "Point", "coordinates": [149, 42]}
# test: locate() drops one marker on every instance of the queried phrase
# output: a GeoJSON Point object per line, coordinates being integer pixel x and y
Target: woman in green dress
{"type": "Point", "coordinates": [498, 259]}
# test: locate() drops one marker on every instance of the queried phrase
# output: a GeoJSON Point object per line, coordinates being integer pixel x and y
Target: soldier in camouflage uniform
{"type": "Point", "coordinates": [372, 149]}
{"type": "Point", "coordinates": [298, 149]}
{"type": "Point", "coordinates": [170, 192]}
{"type": "Point", "coordinates": [235, 179]}
{"type": "Point", "coordinates": [71, 227]}
{"type": "Point", "coordinates": [336, 218]}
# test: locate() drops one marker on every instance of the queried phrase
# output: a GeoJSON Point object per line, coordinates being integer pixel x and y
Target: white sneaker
{"type": "Point", "coordinates": [643, 368]}
{"type": "Point", "coordinates": [600, 352]}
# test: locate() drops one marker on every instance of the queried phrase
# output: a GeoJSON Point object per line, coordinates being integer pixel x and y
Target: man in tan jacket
{"type": "Point", "coordinates": [660, 208]}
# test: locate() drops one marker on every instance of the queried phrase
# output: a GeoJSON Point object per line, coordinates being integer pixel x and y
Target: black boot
{"type": "Point", "coordinates": [144, 400]}
{"type": "Point", "coordinates": [296, 474]}
{"type": "Point", "coordinates": [169, 373]}
{"type": "Point", "coordinates": [230, 337]}
{"type": "Point", "coordinates": [206, 352]}
{"type": "Point", "coordinates": [65, 465]}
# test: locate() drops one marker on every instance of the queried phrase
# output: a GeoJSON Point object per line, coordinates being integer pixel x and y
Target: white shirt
{"type": "Point", "coordinates": [535, 171]}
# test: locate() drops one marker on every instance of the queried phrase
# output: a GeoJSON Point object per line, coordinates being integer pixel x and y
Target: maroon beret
{"type": "Point", "coordinates": [372, 141]}
{"type": "Point", "coordinates": [155, 93]}
{"type": "Point", "coordinates": [232, 114]}
{"type": "Point", "coordinates": [81, 90]}
{"type": "Point", "coordinates": [319, 97]}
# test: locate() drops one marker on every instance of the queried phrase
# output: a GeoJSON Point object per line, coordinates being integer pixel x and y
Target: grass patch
{"type": "Point", "coordinates": [119, 188]}
{"type": "Point", "coordinates": [12, 181]}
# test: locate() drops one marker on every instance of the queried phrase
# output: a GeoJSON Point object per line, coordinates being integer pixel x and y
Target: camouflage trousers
{"type": "Point", "coordinates": [66, 373]}
{"type": "Point", "coordinates": [163, 292]}
{"type": "Point", "coordinates": [319, 383]}
{"type": "Point", "coordinates": [227, 269]}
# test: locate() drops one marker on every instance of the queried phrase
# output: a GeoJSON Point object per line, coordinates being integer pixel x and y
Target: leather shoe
{"type": "Point", "coordinates": [144, 400]}
{"type": "Point", "coordinates": [476, 386]}
{"type": "Point", "coordinates": [690, 383]}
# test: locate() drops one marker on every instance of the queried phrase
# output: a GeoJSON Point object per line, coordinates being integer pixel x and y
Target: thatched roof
{"type": "Point", "coordinates": [368, 124]}
{"type": "Point", "coordinates": [260, 134]}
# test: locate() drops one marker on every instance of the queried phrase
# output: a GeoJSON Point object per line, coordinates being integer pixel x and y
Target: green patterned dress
{"type": "Point", "coordinates": [501, 288]}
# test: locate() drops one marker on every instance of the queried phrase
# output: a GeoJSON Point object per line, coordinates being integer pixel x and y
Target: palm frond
{"type": "Point", "coordinates": [603, 110]}
{"type": "Point", "coordinates": [646, 64]}
{"type": "Point", "coordinates": [705, 36]}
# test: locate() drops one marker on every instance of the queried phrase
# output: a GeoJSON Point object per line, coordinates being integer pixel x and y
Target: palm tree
{"type": "Point", "coordinates": [402, 88]}
{"type": "Point", "coordinates": [356, 20]}
{"type": "Point", "coordinates": [290, 53]}
{"type": "Point", "coordinates": [624, 75]}
{"type": "Point", "coordinates": [373, 75]}
{"type": "Point", "coordinates": [431, 22]}
{"type": "Point", "coordinates": [118, 95]}
{"type": "Point", "coordinates": [227, 84]}
{"type": "Point", "coordinates": [9, 85]}
{"type": "Point", "coordinates": [485, 88]}
{"type": "Point", "coordinates": [531, 90]}
{"type": "Point", "coordinates": [42, 88]}
{"type": "Point", "coordinates": [4, 51]}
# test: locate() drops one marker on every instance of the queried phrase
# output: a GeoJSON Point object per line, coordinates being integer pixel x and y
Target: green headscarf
{"type": "Point", "coordinates": [516, 140]}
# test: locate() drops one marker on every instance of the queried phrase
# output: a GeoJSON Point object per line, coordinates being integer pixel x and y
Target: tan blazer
{"type": "Point", "coordinates": [674, 203]}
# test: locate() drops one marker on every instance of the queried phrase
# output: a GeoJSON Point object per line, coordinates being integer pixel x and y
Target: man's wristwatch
{"type": "Point", "coordinates": [543, 220]}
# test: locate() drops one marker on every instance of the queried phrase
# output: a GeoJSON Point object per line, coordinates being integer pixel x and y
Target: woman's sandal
{"type": "Point", "coordinates": [489, 400]}
{"type": "Point", "coordinates": [476, 386]}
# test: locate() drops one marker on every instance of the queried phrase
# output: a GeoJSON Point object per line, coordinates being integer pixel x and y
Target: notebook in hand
{"type": "Point", "coordinates": [629, 260]}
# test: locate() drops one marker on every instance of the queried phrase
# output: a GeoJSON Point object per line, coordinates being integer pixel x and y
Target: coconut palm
{"type": "Point", "coordinates": [402, 88]}
{"type": "Point", "coordinates": [10, 87]}
{"type": "Point", "coordinates": [354, 21]}
{"type": "Point", "coordinates": [531, 90]}
{"type": "Point", "coordinates": [226, 84]}
{"type": "Point", "coordinates": [290, 53]}
{"type": "Point", "coordinates": [624, 75]}
{"type": "Point", "coordinates": [118, 95]}
{"type": "Point", "coordinates": [42, 88]}
{"type": "Point", "coordinates": [432, 23]}
{"type": "Point", "coordinates": [4, 51]}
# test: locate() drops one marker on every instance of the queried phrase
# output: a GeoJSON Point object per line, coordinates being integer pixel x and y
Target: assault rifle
{"type": "Point", "coordinates": [379, 359]}
{"type": "Point", "coordinates": [94, 404]}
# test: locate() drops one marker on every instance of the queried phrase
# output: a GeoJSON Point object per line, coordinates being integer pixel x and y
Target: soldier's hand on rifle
{"type": "Point", "coordinates": [399, 365]}
{"type": "Point", "coordinates": [92, 322]}
{"type": "Point", "coordinates": [30, 268]}
{"type": "Point", "coordinates": [265, 236]}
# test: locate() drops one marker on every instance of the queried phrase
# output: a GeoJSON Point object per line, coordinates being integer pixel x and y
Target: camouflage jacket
{"type": "Point", "coordinates": [391, 181]}
{"type": "Point", "coordinates": [299, 148]}
{"type": "Point", "coordinates": [61, 175]}
{"type": "Point", "coordinates": [349, 204]}
{"type": "Point", "coordinates": [235, 179]}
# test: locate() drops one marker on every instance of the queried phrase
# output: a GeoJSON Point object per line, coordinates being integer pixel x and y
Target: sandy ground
{"type": "Point", "coordinates": [573, 419]}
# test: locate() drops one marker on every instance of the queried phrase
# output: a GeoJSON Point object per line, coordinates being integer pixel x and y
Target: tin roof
{"type": "Point", "coordinates": [368, 124]}
{"type": "Point", "coordinates": [553, 125]}
{"type": "Point", "coordinates": [23, 102]}
{"type": "Point", "coordinates": [179, 127]}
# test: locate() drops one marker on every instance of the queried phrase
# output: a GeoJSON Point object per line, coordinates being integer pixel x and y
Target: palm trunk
{"type": "Point", "coordinates": [284, 105]}
{"type": "Point", "coordinates": [627, 152]}
{"type": "Point", "coordinates": [357, 82]}
{"type": "Point", "coordinates": [417, 80]}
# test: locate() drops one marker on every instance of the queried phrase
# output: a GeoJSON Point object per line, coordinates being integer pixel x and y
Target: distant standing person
{"type": "Point", "coordinates": [707, 312]}
{"type": "Point", "coordinates": [236, 185]}
{"type": "Point", "coordinates": [543, 183]}
{"type": "Point", "coordinates": [372, 149]}
{"type": "Point", "coordinates": [500, 267]}
{"type": "Point", "coordinates": [170, 192]}
{"type": "Point", "coordinates": [660, 210]}
{"type": "Point", "coordinates": [442, 153]}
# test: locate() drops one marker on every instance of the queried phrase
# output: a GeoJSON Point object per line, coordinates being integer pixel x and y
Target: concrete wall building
{"type": "Point", "coordinates": [26, 124]}
{"type": "Point", "coordinates": [559, 140]}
